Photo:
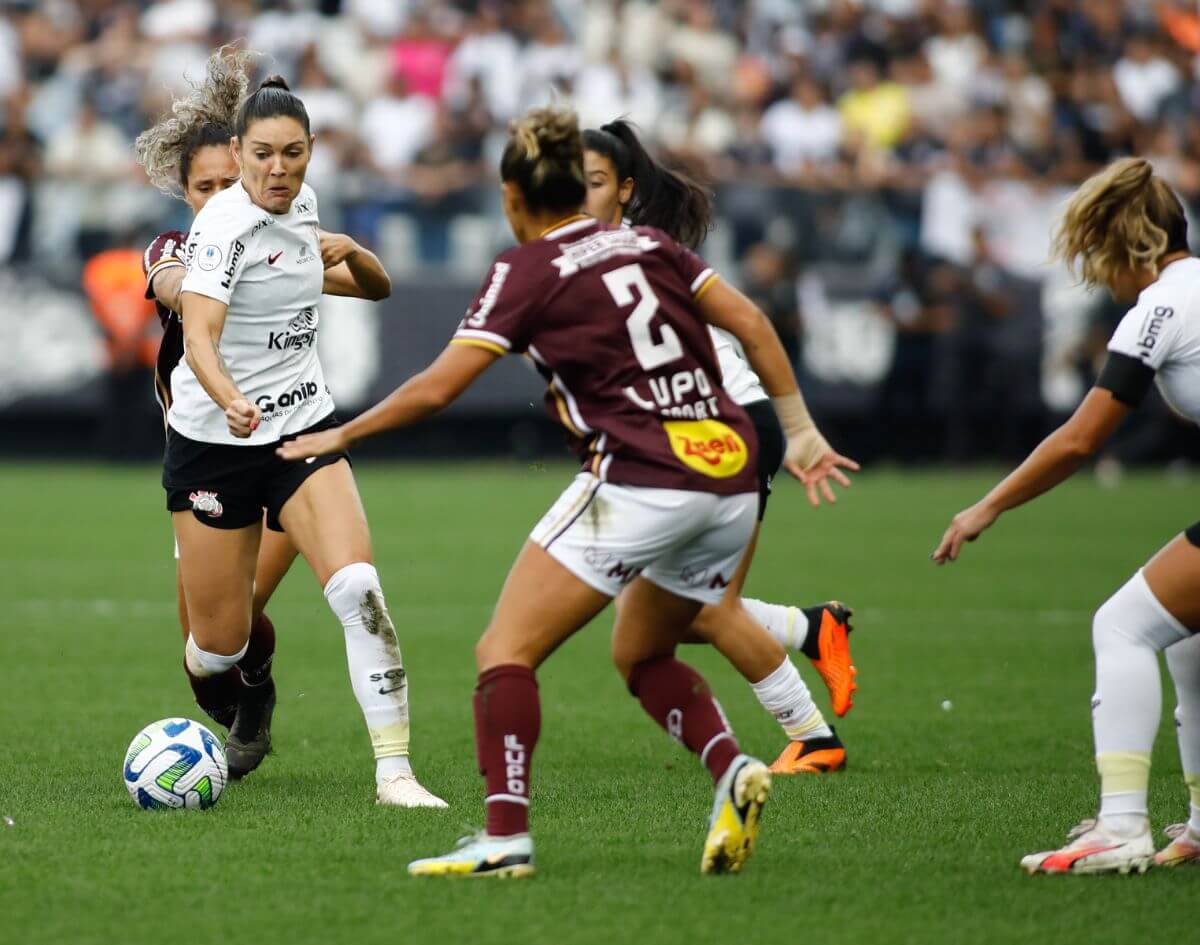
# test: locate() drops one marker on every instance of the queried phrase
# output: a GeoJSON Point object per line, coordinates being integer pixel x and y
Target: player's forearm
{"type": "Point", "coordinates": [203, 356]}
{"type": "Point", "coordinates": [412, 401]}
{"type": "Point", "coordinates": [1055, 460]}
{"type": "Point", "coordinates": [369, 274]}
{"type": "Point", "coordinates": [767, 356]}
{"type": "Point", "coordinates": [168, 285]}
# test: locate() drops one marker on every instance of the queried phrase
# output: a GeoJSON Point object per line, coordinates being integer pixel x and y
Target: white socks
{"type": "Point", "coordinates": [376, 671]}
{"type": "Point", "coordinates": [202, 663]}
{"type": "Point", "coordinates": [786, 624]}
{"type": "Point", "coordinates": [785, 696]}
{"type": "Point", "coordinates": [1127, 632]}
{"type": "Point", "coordinates": [1183, 662]}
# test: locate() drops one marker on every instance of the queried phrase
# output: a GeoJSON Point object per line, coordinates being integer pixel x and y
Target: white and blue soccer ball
{"type": "Point", "coordinates": [175, 764]}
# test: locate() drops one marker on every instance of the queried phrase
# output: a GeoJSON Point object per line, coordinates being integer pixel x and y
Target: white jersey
{"type": "Point", "coordinates": [267, 268]}
{"type": "Point", "coordinates": [1162, 331]}
{"type": "Point", "coordinates": [737, 377]}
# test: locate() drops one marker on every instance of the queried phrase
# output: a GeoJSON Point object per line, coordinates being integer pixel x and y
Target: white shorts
{"type": "Point", "coordinates": [688, 543]}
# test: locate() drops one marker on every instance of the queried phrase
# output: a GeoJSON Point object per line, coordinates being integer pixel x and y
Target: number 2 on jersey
{"type": "Point", "coordinates": [651, 354]}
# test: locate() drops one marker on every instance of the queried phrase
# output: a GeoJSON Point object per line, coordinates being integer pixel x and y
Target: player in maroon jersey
{"type": "Point", "coordinates": [188, 155]}
{"type": "Point", "coordinates": [615, 321]}
{"type": "Point", "coordinates": [626, 184]}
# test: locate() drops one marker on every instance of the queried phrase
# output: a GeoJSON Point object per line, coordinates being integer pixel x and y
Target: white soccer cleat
{"type": "Point", "coordinates": [1095, 849]}
{"type": "Point", "coordinates": [1183, 848]}
{"type": "Point", "coordinates": [479, 856]}
{"type": "Point", "coordinates": [404, 790]}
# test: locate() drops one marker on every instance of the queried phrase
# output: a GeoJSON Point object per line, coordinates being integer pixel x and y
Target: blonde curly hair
{"type": "Point", "coordinates": [1123, 218]}
{"type": "Point", "coordinates": [205, 116]}
{"type": "Point", "coordinates": [544, 157]}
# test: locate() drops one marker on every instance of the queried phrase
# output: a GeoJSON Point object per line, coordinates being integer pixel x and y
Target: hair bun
{"type": "Point", "coordinates": [274, 81]}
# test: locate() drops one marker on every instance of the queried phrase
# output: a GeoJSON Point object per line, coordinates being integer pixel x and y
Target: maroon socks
{"type": "Point", "coordinates": [218, 695]}
{"type": "Point", "coordinates": [508, 717]}
{"type": "Point", "coordinates": [678, 699]}
{"type": "Point", "coordinates": [256, 664]}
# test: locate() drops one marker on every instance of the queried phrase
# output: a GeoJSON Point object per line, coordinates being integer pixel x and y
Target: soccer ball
{"type": "Point", "coordinates": [175, 763]}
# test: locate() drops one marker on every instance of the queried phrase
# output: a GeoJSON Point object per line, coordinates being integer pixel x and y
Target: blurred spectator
{"type": "Point", "coordinates": [419, 56]}
{"type": "Point", "coordinates": [489, 55]}
{"type": "Point", "coordinates": [874, 112]}
{"type": "Point", "coordinates": [89, 157]}
{"type": "Point", "coordinates": [394, 127]}
{"type": "Point", "coordinates": [803, 131]}
{"type": "Point", "coordinates": [1144, 77]}
{"type": "Point", "coordinates": [698, 42]}
{"type": "Point", "coordinates": [19, 165]}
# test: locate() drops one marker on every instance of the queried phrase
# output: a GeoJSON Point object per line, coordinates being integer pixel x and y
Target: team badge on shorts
{"type": "Point", "coordinates": [208, 503]}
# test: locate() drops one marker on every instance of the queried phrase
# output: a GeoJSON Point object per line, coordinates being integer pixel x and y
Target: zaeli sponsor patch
{"type": "Point", "coordinates": [707, 446]}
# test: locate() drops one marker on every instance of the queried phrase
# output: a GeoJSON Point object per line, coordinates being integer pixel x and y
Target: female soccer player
{"type": "Point", "coordinates": [250, 377]}
{"type": "Point", "coordinates": [624, 183]}
{"type": "Point", "coordinates": [614, 319]}
{"type": "Point", "coordinates": [1126, 230]}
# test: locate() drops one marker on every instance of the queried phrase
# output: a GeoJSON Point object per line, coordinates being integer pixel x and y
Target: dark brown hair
{"type": "Point", "coordinates": [272, 99]}
{"type": "Point", "coordinates": [663, 197]}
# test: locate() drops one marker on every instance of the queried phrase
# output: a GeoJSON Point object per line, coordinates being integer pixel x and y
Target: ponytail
{"type": "Point", "coordinates": [664, 198]}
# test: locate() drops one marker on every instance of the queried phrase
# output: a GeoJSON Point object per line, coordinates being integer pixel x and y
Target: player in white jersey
{"type": "Point", "coordinates": [625, 183]}
{"type": "Point", "coordinates": [250, 379]}
{"type": "Point", "coordinates": [186, 155]}
{"type": "Point", "coordinates": [1126, 230]}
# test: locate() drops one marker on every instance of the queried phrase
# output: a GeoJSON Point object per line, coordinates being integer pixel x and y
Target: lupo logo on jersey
{"type": "Point", "coordinates": [707, 446]}
{"type": "Point", "coordinates": [272, 404]}
{"type": "Point", "coordinates": [234, 255]}
{"type": "Point", "coordinates": [301, 333]}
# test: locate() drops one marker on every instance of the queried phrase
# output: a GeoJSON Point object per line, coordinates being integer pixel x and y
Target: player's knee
{"type": "Point", "coordinates": [1133, 616]}
{"type": "Point", "coordinates": [349, 589]}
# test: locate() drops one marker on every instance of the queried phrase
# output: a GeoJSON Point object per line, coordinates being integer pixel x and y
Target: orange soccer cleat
{"type": "Point", "coordinates": [812, 756]}
{"type": "Point", "coordinates": [833, 661]}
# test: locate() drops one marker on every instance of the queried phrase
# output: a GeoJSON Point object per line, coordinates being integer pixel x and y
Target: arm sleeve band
{"type": "Point", "coordinates": [1127, 378]}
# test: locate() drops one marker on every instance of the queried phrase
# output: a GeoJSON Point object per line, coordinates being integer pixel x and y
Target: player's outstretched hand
{"type": "Point", "coordinates": [816, 477]}
{"type": "Point", "coordinates": [323, 443]}
{"type": "Point", "coordinates": [966, 526]}
{"type": "Point", "coordinates": [336, 248]}
{"type": "Point", "coordinates": [243, 417]}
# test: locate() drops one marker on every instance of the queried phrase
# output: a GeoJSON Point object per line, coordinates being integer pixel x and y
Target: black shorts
{"type": "Point", "coordinates": [1193, 534]}
{"type": "Point", "coordinates": [229, 486]}
{"type": "Point", "coordinates": [771, 447]}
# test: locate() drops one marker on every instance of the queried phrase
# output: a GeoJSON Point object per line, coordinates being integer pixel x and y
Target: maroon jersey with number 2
{"type": "Point", "coordinates": [608, 316]}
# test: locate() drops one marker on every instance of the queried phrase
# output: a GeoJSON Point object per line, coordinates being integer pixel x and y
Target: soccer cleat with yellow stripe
{"type": "Point", "coordinates": [812, 756]}
{"type": "Point", "coordinates": [1183, 848]}
{"type": "Point", "coordinates": [479, 856]}
{"type": "Point", "coordinates": [1095, 849]}
{"type": "Point", "coordinates": [833, 659]}
{"type": "Point", "coordinates": [733, 825]}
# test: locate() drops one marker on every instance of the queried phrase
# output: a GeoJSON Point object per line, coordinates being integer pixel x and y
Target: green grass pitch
{"type": "Point", "coordinates": [918, 842]}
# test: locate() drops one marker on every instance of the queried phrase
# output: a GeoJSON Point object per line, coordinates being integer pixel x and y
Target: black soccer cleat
{"type": "Point", "coordinates": [249, 740]}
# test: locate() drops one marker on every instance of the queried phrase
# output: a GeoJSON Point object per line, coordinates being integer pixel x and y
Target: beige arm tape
{"type": "Point", "coordinates": [805, 445]}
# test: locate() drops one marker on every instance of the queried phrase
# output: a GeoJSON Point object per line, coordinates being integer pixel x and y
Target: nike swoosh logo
{"type": "Point", "coordinates": [271, 259]}
{"type": "Point", "coordinates": [384, 692]}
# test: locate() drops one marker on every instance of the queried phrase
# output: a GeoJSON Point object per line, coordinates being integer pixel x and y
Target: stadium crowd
{"type": "Point", "coordinates": [903, 155]}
